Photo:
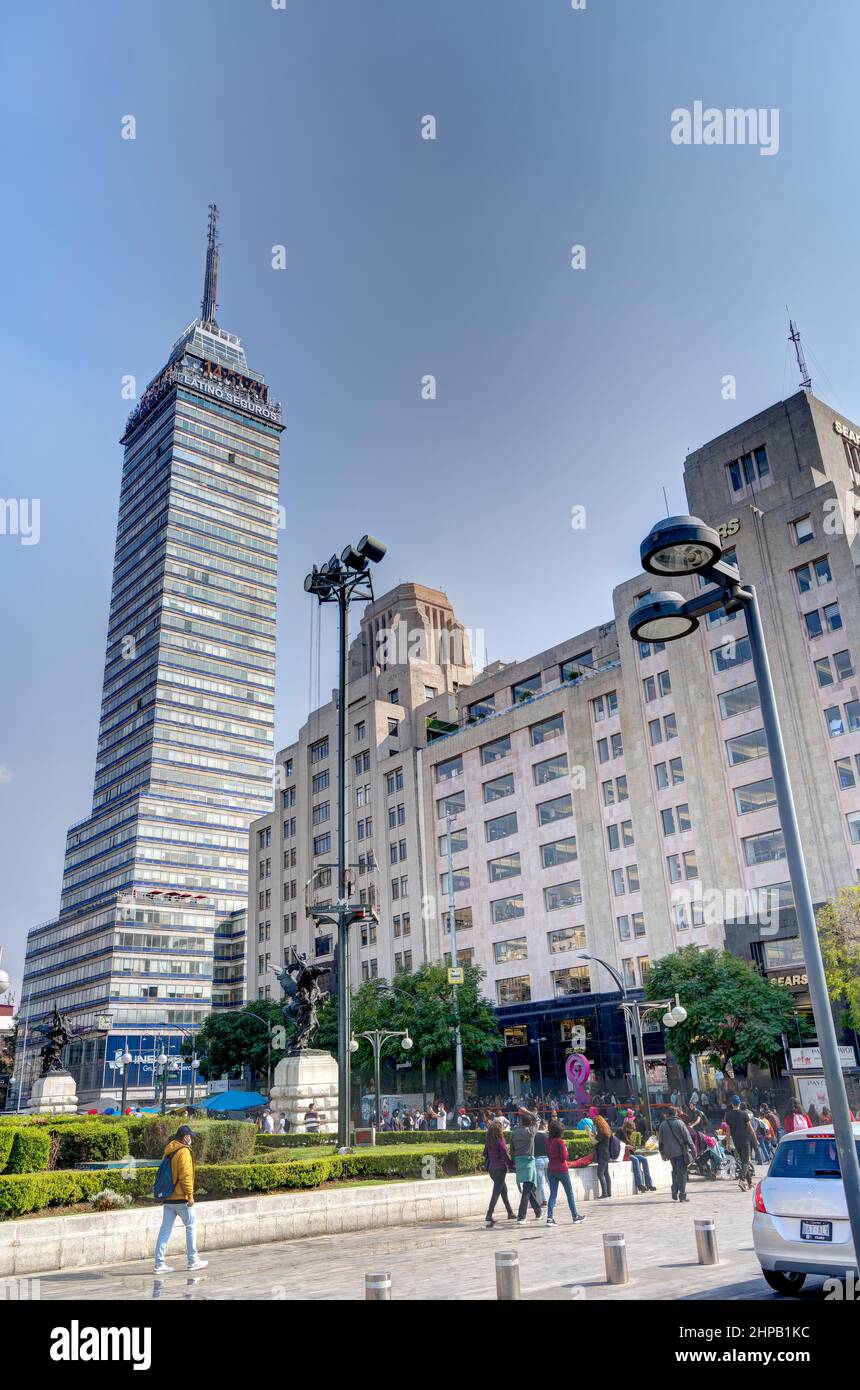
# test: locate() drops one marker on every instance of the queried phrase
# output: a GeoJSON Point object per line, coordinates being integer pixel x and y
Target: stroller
{"type": "Point", "coordinates": [709, 1158]}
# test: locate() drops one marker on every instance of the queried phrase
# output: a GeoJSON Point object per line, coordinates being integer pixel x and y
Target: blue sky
{"type": "Point", "coordinates": [405, 257]}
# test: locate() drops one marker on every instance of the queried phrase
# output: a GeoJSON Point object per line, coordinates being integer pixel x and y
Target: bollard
{"type": "Point", "coordinates": [507, 1275]}
{"type": "Point", "coordinates": [706, 1241]}
{"type": "Point", "coordinates": [377, 1286]}
{"type": "Point", "coordinates": [615, 1256]}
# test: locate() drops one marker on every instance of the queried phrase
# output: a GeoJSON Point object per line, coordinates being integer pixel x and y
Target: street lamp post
{"type": "Point", "coordinates": [341, 581]}
{"type": "Point", "coordinates": [634, 1011]}
{"type": "Point", "coordinates": [162, 1062]}
{"type": "Point", "coordinates": [126, 1059]}
{"type": "Point", "coordinates": [540, 1040]}
{"type": "Point", "coordinates": [684, 545]}
{"type": "Point", "coordinates": [378, 1037]}
{"type": "Point", "coordinates": [455, 961]}
{"type": "Point", "coordinates": [270, 1027]}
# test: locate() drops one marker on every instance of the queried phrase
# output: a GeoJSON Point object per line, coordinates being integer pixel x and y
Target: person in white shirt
{"type": "Point", "coordinates": [441, 1117]}
{"type": "Point", "coordinates": [269, 1123]}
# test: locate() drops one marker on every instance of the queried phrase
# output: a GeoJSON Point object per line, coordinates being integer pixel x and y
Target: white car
{"type": "Point", "coordinates": [800, 1225]}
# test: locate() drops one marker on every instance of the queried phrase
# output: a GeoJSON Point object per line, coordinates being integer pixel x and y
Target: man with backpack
{"type": "Point", "coordinates": [174, 1186]}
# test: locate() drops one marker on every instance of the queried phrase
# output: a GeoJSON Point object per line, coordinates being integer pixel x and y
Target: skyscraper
{"type": "Point", "coordinates": [186, 738]}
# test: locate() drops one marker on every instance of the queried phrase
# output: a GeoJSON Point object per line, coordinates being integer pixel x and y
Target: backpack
{"type": "Point", "coordinates": [163, 1186]}
{"type": "Point", "coordinates": [614, 1147]}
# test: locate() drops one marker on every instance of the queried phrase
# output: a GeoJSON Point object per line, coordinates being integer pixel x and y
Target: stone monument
{"type": "Point", "coordinates": [54, 1093]}
{"type": "Point", "coordinates": [305, 1075]}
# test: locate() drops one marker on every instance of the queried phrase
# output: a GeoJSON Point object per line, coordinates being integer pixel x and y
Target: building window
{"type": "Point", "coordinates": [508, 866]}
{"type": "Point", "coordinates": [802, 530]}
{"type": "Point", "coordinates": [739, 701]}
{"type": "Point", "coordinates": [460, 880]}
{"type": "Point", "coordinates": [561, 895]}
{"type": "Point", "coordinates": [565, 939]}
{"type": "Point", "coordinates": [501, 826]}
{"type": "Point", "coordinates": [623, 927]}
{"type": "Point", "coordinates": [499, 748]}
{"type": "Point", "coordinates": [394, 697]}
{"type": "Point", "coordinates": [747, 472]}
{"type": "Point", "coordinates": [733, 652]}
{"type": "Point", "coordinates": [525, 689]}
{"type": "Point", "coordinates": [499, 787]}
{"type": "Point", "coordinates": [574, 980]}
{"type": "Point", "coordinates": [815, 572]}
{"type": "Point", "coordinates": [550, 769]}
{"type": "Point", "coordinates": [451, 805]}
{"type": "Point", "coordinates": [764, 849]}
{"type": "Point", "coordinates": [743, 748]}
{"type": "Point", "coordinates": [854, 827]}
{"type": "Point", "coordinates": [322, 843]}
{"type": "Point", "coordinates": [481, 709]}
{"type": "Point", "coordinates": [575, 667]}
{"type": "Point", "coordinates": [604, 706]}
{"type": "Point", "coordinates": [558, 852]}
{"type": "Point", "coordinates": [360, 730]}
{"type": "Point", "coordinates": [462, 917]}
{"type": "Point", "coordinates": [320, 781]}
{"type": "Point", "coordinates": [516, 1036]}
{"type": "Point", "coordinates": [321, 812]}
{"type": "Point", "coordinates": [755, 796]}
{"type": "Point", "coordinates": [845, 773]}
{"type": "Point", "coordinates": [505, 909]}
{"type": "Point", "coordinates": [558, 809]}
{"type": "Point", "coordinates": [394, 781]}
{"type": "Point", "coordinates": [451, 767]}
{"type": "Point", "coordinates": [515, 948]}
{"type": "Point", "coordinates": [319, 750]}
{"type": "Point", "coordinates": [516, 990]}
{"type": "Point", "coordinates": [459, 843]}
{"type": "Point", "coordinates": [553, 727]}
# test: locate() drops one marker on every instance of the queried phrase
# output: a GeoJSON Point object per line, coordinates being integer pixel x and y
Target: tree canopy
{"type": "Point", "coordinates": [839, 934]}
{"type": "Point", "coordinates": [228, 1041]}
{"type": "Point", "coordinates": [734, 1015]}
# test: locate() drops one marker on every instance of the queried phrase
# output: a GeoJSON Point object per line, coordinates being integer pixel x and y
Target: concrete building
{"type": "Point", "coordinates": [184, 759]}
{"type": "Point", "coordinates": [603, 795]}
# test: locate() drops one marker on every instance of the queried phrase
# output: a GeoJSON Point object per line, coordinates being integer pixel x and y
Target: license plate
{"type": "Point", "coordinates": [816, 1230]}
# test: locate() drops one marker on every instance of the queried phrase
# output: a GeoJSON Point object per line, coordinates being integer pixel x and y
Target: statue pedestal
{"type": "Point", "coordinates": [300, 1078]}
{"type": "Point", "coordinates": [54, 1094]}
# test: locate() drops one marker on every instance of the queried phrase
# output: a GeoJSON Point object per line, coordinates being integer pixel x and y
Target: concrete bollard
{"type": "Point", "coordinates": [615, 1257]}
{"type": "Point", "coordinates": [378, 1286]}
{"type": "Point", "coordinates": [706, 1241]}
{"type": "Point", "coordinates": [507, 1275]}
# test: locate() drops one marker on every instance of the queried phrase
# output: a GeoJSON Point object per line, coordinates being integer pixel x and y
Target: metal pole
{"type": "Point", "coordinates": [24, 1048]}
{"type": "Point", "coordinates": [640, 1048]}
{"type": "Point", "coordinates": [540, 1070]}
{"type": "Point", "coordinates": [706, 1241]}
{"type": "Point", "coordinates": [344, 1058]}
{"type": "Point", "coordinates": [164, 1088]}
{"type": "Point", "coordinates": [377, 1287]}
{"type": "Point", "coordinates": [615, 1257]}
{"type": "Point", "coordinates": [507, 1275]}
{"type": "Point", "coordinates": [124, 1101]}
{"type": "Point", "coordinates": [458, 1041]}
{"type": "Point", "coordinates": [376, 1043]}
{"type": "Point", "coordinates": [423, 1084]}
{"type": "Point", "coordinates": [824, 1027]}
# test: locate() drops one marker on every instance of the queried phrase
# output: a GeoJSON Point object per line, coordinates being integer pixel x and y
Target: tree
{"type": "Point", "coordinates": [227, 1042]}
{"type": "Point", "coordinates": [839, 933]}
{"type": "Point", "coordinates": [734, 1015]}
{"type": "Point", "coordinates": [423, 1003]}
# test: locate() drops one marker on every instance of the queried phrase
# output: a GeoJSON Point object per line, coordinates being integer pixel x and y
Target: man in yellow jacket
{"type": "Point", "coordinates": [180, 1202]}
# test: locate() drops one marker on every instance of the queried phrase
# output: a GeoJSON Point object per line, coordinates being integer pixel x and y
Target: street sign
{"type": "Point", "coordinates": [455, 974]}
{"type": "Point", "coordinates": [103, 1022]}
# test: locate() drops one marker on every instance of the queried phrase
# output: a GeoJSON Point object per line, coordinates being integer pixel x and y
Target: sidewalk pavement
{"type": "Point", "coordinates": [455, 1260]}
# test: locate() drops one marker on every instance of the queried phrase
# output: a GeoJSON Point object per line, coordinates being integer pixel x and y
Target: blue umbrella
{"type": "Point", "coordinates": [224, 1101]}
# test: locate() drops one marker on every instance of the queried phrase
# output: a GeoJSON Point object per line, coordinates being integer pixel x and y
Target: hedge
{"type": "Point", "coordinates": [7, 1134]}
{"type": "Point", "coordinates": [218, 1141]}
{"type": "Point", "coordinates": [33, 1192]}
{"type": "Point", "coordinates": [30, 1152]}
{"type": "Point", "coordinates": [67, 1144]}
{"type": "Point", "coordinates": [300, 1141]}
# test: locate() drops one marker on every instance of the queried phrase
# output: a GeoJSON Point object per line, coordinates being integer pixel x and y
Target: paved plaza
{"type": "Point", "coordinates": [455, 1259]}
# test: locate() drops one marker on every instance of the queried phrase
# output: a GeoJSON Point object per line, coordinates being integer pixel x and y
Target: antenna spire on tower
{"type": "Point", "coordinates": [210, 282]}
{"type": "Point", "coordinates": [794, 336]}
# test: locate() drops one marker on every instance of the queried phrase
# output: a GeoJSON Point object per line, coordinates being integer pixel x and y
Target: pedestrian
{"type": "Point", "coordinates": [174, 1186]}
{"type": "Point", "coordinates": [441, 1116]}
{"type": "Point", "coordinates": [796, 1118]}
{"type": "Point", "coordinates": [638, 1162]}
{"type": "Point", "coordinates": [541, 1161]}
{"type": "Point", "coordinates": [282, 1124]}
{"type": "Point", "coordinates": [677, 1148]}
{"type": "Point", "coordinates": [313, 1118]}
{"type": "Point", "coordinates": [772, 1118]}
{"type": "Point", "coordinates": [742, 1131]}
{"type": "Point", "coordinates": [463, 1121]}
{"type": "Point", "coordinates": [558, 1173]}
{"type": "Point", "coordinates": [523, 1150]}
{"type": "Point", "coordinates": [814, 1117]}
{"type": "Point", "coordinates": [498, 1164]}
{"type": "Point", "coordinates": [603, 1136]}
{"type": "Point", "coordinates": [268, 1123]}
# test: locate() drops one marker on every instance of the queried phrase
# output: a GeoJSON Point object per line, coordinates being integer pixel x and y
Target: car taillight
{"type": "Point", "coordinates": [758, 1200]}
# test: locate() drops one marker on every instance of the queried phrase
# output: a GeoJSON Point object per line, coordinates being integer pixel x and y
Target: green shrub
{"type": "Point", "coordinates": [88, 1142]}
{"type": "Point", "coordinates": [30, 1152]}
{"type": "Point", "coordinates": [297, 1141]}
{"type": "Point", "coordinates": [25, 1192]}
{"type": "Point", "coordinates": [219, 1141]}
{"type": "Point", "coordinates": [7, 1134]}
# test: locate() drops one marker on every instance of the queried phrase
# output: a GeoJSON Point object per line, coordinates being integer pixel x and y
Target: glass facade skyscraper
{"type": "Point", "coordinates": [186, 737]}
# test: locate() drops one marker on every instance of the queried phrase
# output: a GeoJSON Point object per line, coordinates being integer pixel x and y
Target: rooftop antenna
{"type": "Point", "coordinates": [794, 335]}
{"type": "Point", "coordinates": [665, 501]}
{"type": "Point", "coordinates": [210, 282]}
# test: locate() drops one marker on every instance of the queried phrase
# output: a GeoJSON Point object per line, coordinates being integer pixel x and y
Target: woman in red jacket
{"type": "Point", "coordinates": [557, 1173]}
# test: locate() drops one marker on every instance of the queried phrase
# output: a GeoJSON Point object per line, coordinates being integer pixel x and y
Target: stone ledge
{"type": "Point", "coordinates": [52, 1243]}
